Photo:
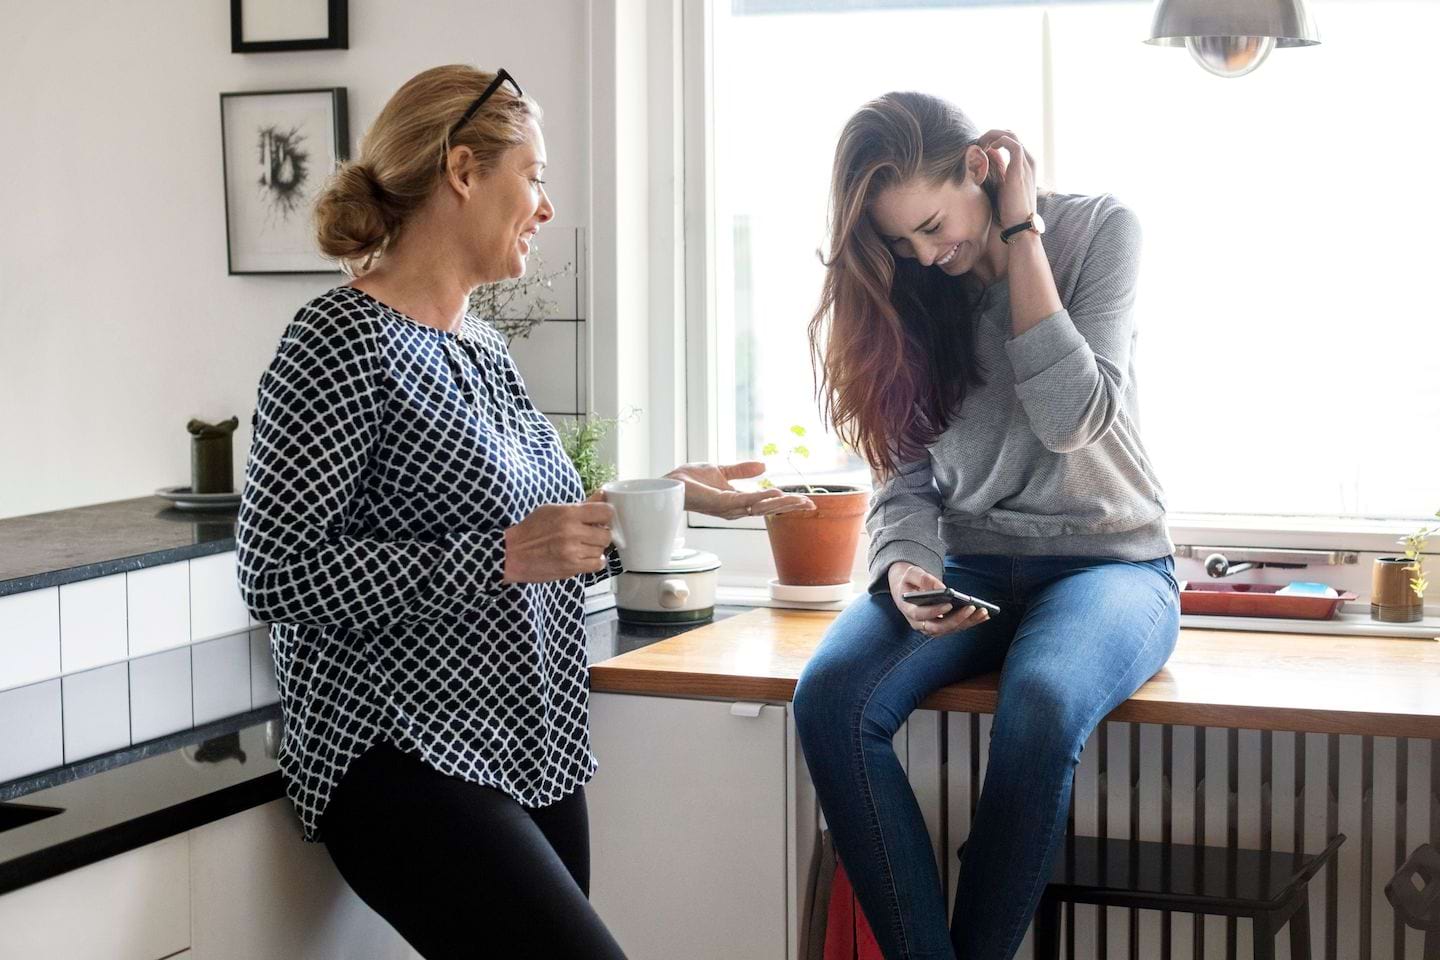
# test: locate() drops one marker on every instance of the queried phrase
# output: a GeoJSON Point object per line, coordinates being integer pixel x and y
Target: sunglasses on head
{"type": "Point", "coordinates": [501, 76]}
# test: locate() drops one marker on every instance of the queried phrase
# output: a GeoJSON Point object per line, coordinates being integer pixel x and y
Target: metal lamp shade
{"type": "Point", "coordinates": [1230, 38]}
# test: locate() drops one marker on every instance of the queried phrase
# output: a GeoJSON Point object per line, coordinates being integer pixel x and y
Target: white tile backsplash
{"type": "Point", "coordinates": [263, 690]}
{"type": "Point", "coordinates": [92, 623]}
{"type": "Point", "coordinates": [221, 677]}
{"type": "Point", "coordinates": [159, 607]}
{"type": "Point", "coordinates": [32, 739]}
{"type": "Point", "coordinates": [160, 695]}
{"type": "Point", "coordinates": [29, 637]}
{"type": "Point", "coordinates": [216, 609]}
{"type": "Point", "coordinates": [143, 654]}
{"type": "Point", "coordinates": [97, 711]}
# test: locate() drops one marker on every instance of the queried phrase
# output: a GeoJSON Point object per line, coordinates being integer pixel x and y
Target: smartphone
{"type": "Point", "coordinates": [930, 598]}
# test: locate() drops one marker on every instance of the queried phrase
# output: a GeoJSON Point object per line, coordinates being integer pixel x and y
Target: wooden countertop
{"type": "Point", "coordinates": [1379, 686]}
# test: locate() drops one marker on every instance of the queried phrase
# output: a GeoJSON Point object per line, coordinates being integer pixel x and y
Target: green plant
{"type": "Point", "coordinates": [796, 450]}
{"type": "Point", "coordinates": [499, 304]}
{"type": "Point", "coordinates": [581, 439]}
{"type": "Point", "coordinates": [1414, 551]}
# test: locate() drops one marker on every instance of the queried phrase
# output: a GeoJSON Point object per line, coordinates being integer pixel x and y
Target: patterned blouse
{"type": "Point", "coordinates": [387, 460]}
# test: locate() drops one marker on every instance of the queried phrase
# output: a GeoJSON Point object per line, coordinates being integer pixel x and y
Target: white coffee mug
{"type": "Point", "coordinates": [647, 521]}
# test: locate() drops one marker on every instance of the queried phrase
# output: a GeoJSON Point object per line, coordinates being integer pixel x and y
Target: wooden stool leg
{"type": "Point", "coordinates": [1300, 930]}
{"type": "Point", "coordinates": [1047, 928]}
{"type": "Point", "coordinates": [1264, 932]}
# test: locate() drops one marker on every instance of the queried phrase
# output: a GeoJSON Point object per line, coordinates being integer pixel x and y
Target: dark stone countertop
{"type": "Point", "coordinates": [63, 546]}
{"type": "Point", "coordinates": [145, 793]}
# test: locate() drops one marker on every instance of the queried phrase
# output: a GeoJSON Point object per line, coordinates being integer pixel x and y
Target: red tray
{"type": "Point", "coordinates": [1255, 600]}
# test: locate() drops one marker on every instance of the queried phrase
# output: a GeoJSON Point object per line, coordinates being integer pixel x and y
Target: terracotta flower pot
{"type": "Point", "coordinates": [817, 547]}
{"type": "Point", "coordinates": [1392, 600]}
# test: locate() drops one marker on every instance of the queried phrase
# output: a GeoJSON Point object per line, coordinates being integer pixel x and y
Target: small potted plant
{"type": "Point", "coordinates": [581, 439]}
{"type": "Point", "coordinates": [1398, 594]}
{"type": "Point", "coordinates": [814, 547]}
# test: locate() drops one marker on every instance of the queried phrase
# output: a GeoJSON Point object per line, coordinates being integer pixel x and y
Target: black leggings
{"type": "Point", "coordinates": [462, 870]}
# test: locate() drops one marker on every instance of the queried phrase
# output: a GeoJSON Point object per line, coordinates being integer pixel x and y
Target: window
{"type": "Point", "coordinates": [1289, 348]}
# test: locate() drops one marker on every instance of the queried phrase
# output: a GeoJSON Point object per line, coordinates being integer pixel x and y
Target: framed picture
{"type": "Point", "coordinates": [278, 147]}
{"type": "Point", "coordinates": [274, 26]}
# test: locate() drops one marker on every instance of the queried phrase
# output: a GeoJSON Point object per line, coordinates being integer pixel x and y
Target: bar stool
{"type": "Point", "coordinates": [1414, 892]}
{"type": "Point", "coordinates": [1271, 887]}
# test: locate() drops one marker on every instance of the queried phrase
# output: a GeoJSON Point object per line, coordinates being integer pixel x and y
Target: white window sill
{"type": "Point", "coordinates": [1231, 530]}
{"type": "Point", "coordinates": [1301, 533]}
{"type": "Point", "coordinates": [1353, 620]}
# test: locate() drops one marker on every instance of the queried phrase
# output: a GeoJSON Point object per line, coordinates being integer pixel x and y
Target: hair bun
{"type": "Point", "coordinates": [354, 215]}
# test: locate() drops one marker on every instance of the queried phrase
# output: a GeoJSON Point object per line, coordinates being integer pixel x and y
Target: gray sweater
{"type": "Point", "coordinates": [1045, 459]}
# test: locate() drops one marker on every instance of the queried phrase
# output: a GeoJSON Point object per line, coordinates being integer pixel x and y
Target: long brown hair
{"type": "Point", "coordinates": [892, 342]}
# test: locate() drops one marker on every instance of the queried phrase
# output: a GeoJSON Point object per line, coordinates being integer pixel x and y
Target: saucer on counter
{"type": "Point", "coordinates": [182, 499]}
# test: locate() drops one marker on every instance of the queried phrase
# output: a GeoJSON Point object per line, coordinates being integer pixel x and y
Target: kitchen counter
{"type": "Point", "coordinates": [1376, 686]}
{"type": "Point", "coordinates": [50, 549]}
{"type": "Point", "coordinates": [137, 796]}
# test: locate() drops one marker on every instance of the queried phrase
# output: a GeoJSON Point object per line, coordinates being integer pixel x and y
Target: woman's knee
{"type": "Point", "coordinates": [1044, 718]}
{"type": "Point", "coordinates": [840, 673]}
{"type": "Point", "coordinates": [823, 698]}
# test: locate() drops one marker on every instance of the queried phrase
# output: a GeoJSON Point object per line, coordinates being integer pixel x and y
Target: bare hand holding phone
{"type": "Point", "coordinates": [935, 620]}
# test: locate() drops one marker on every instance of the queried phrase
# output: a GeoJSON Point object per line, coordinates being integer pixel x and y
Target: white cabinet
{"type": "Point", "coordinates": [258, 891]}
{"type": "Point", "coordinates": [135, 906]}
{"type": "Point", "coordinates": [688, 826]}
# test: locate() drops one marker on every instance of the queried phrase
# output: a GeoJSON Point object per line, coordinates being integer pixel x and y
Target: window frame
{"type": "Point", "coordinates": [746, 552]}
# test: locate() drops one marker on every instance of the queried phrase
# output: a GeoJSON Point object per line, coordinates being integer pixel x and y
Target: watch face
{"type": "Point", "coordinates": [1039, 223]}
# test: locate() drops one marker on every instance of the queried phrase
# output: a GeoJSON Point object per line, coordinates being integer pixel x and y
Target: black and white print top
{"type": "Point", "coordinates": [387, 460]}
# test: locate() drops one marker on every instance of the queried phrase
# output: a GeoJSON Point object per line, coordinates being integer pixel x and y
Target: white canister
{"type": "Point", "coordinates": [683, 592]}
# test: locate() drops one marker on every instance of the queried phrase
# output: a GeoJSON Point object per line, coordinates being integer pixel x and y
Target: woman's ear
{"type": "Point", "coordinates": [460, 170]}
{"type": "Point", "coordinates": [977, 163]}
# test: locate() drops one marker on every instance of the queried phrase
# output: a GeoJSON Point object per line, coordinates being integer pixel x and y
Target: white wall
{"type": "Point", "coordinates": [117, 319]}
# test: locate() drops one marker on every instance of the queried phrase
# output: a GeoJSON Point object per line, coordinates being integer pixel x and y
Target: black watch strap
{"type": "Point", "coordinates": [1027, 224]}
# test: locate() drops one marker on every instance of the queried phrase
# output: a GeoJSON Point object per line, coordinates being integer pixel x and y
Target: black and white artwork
{"type": "Point", "coordinates": [279, 147]}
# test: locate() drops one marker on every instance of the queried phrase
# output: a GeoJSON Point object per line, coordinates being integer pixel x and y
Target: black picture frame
{"type": "Point", "coordinates": [337, 36]}
{"type": "Point", "coordinates": [267, 221]}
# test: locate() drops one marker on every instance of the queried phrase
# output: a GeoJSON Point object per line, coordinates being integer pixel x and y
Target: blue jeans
{"type": "Point", "coordinates": [1076, 637]}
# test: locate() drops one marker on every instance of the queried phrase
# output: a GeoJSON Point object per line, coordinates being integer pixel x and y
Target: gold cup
{"type": "Point", "coordinates": [1392, 600]}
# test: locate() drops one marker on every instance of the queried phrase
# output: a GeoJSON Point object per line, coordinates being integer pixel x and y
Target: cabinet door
{"type": "Point", "coordinates": [687, 826]}
{"type": "Point", "coordinates": [258, 891]}
{"type": "Point", "coordinates": [135, 906]}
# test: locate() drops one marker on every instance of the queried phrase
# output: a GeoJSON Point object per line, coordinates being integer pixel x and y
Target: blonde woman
{"type": "Point", "coordinates": [417, 538]}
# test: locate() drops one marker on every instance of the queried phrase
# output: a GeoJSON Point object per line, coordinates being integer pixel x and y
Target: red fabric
{"type": "Point", "coordinates": [847, 933]}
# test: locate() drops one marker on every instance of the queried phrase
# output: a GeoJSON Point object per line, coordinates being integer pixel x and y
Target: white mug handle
{"type": "Point", "coordinates": [617, 536]}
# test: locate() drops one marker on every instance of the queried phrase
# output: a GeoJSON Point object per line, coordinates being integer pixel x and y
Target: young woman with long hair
{"type": "Point", "coordinates": [975, 343]}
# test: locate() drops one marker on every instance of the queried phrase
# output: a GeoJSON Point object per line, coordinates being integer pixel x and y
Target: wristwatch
{"type": "Point", "coordinates": [1035, 222]}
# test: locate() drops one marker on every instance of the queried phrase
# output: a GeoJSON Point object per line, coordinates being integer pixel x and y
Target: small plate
{"type": "Point", "coordinates": [183, 499]}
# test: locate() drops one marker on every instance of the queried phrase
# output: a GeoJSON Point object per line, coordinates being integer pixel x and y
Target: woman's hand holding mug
{"type": "Point", "coordinates": [563, 540]}
{"type": "Point", "coordinates": [558, 540]}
